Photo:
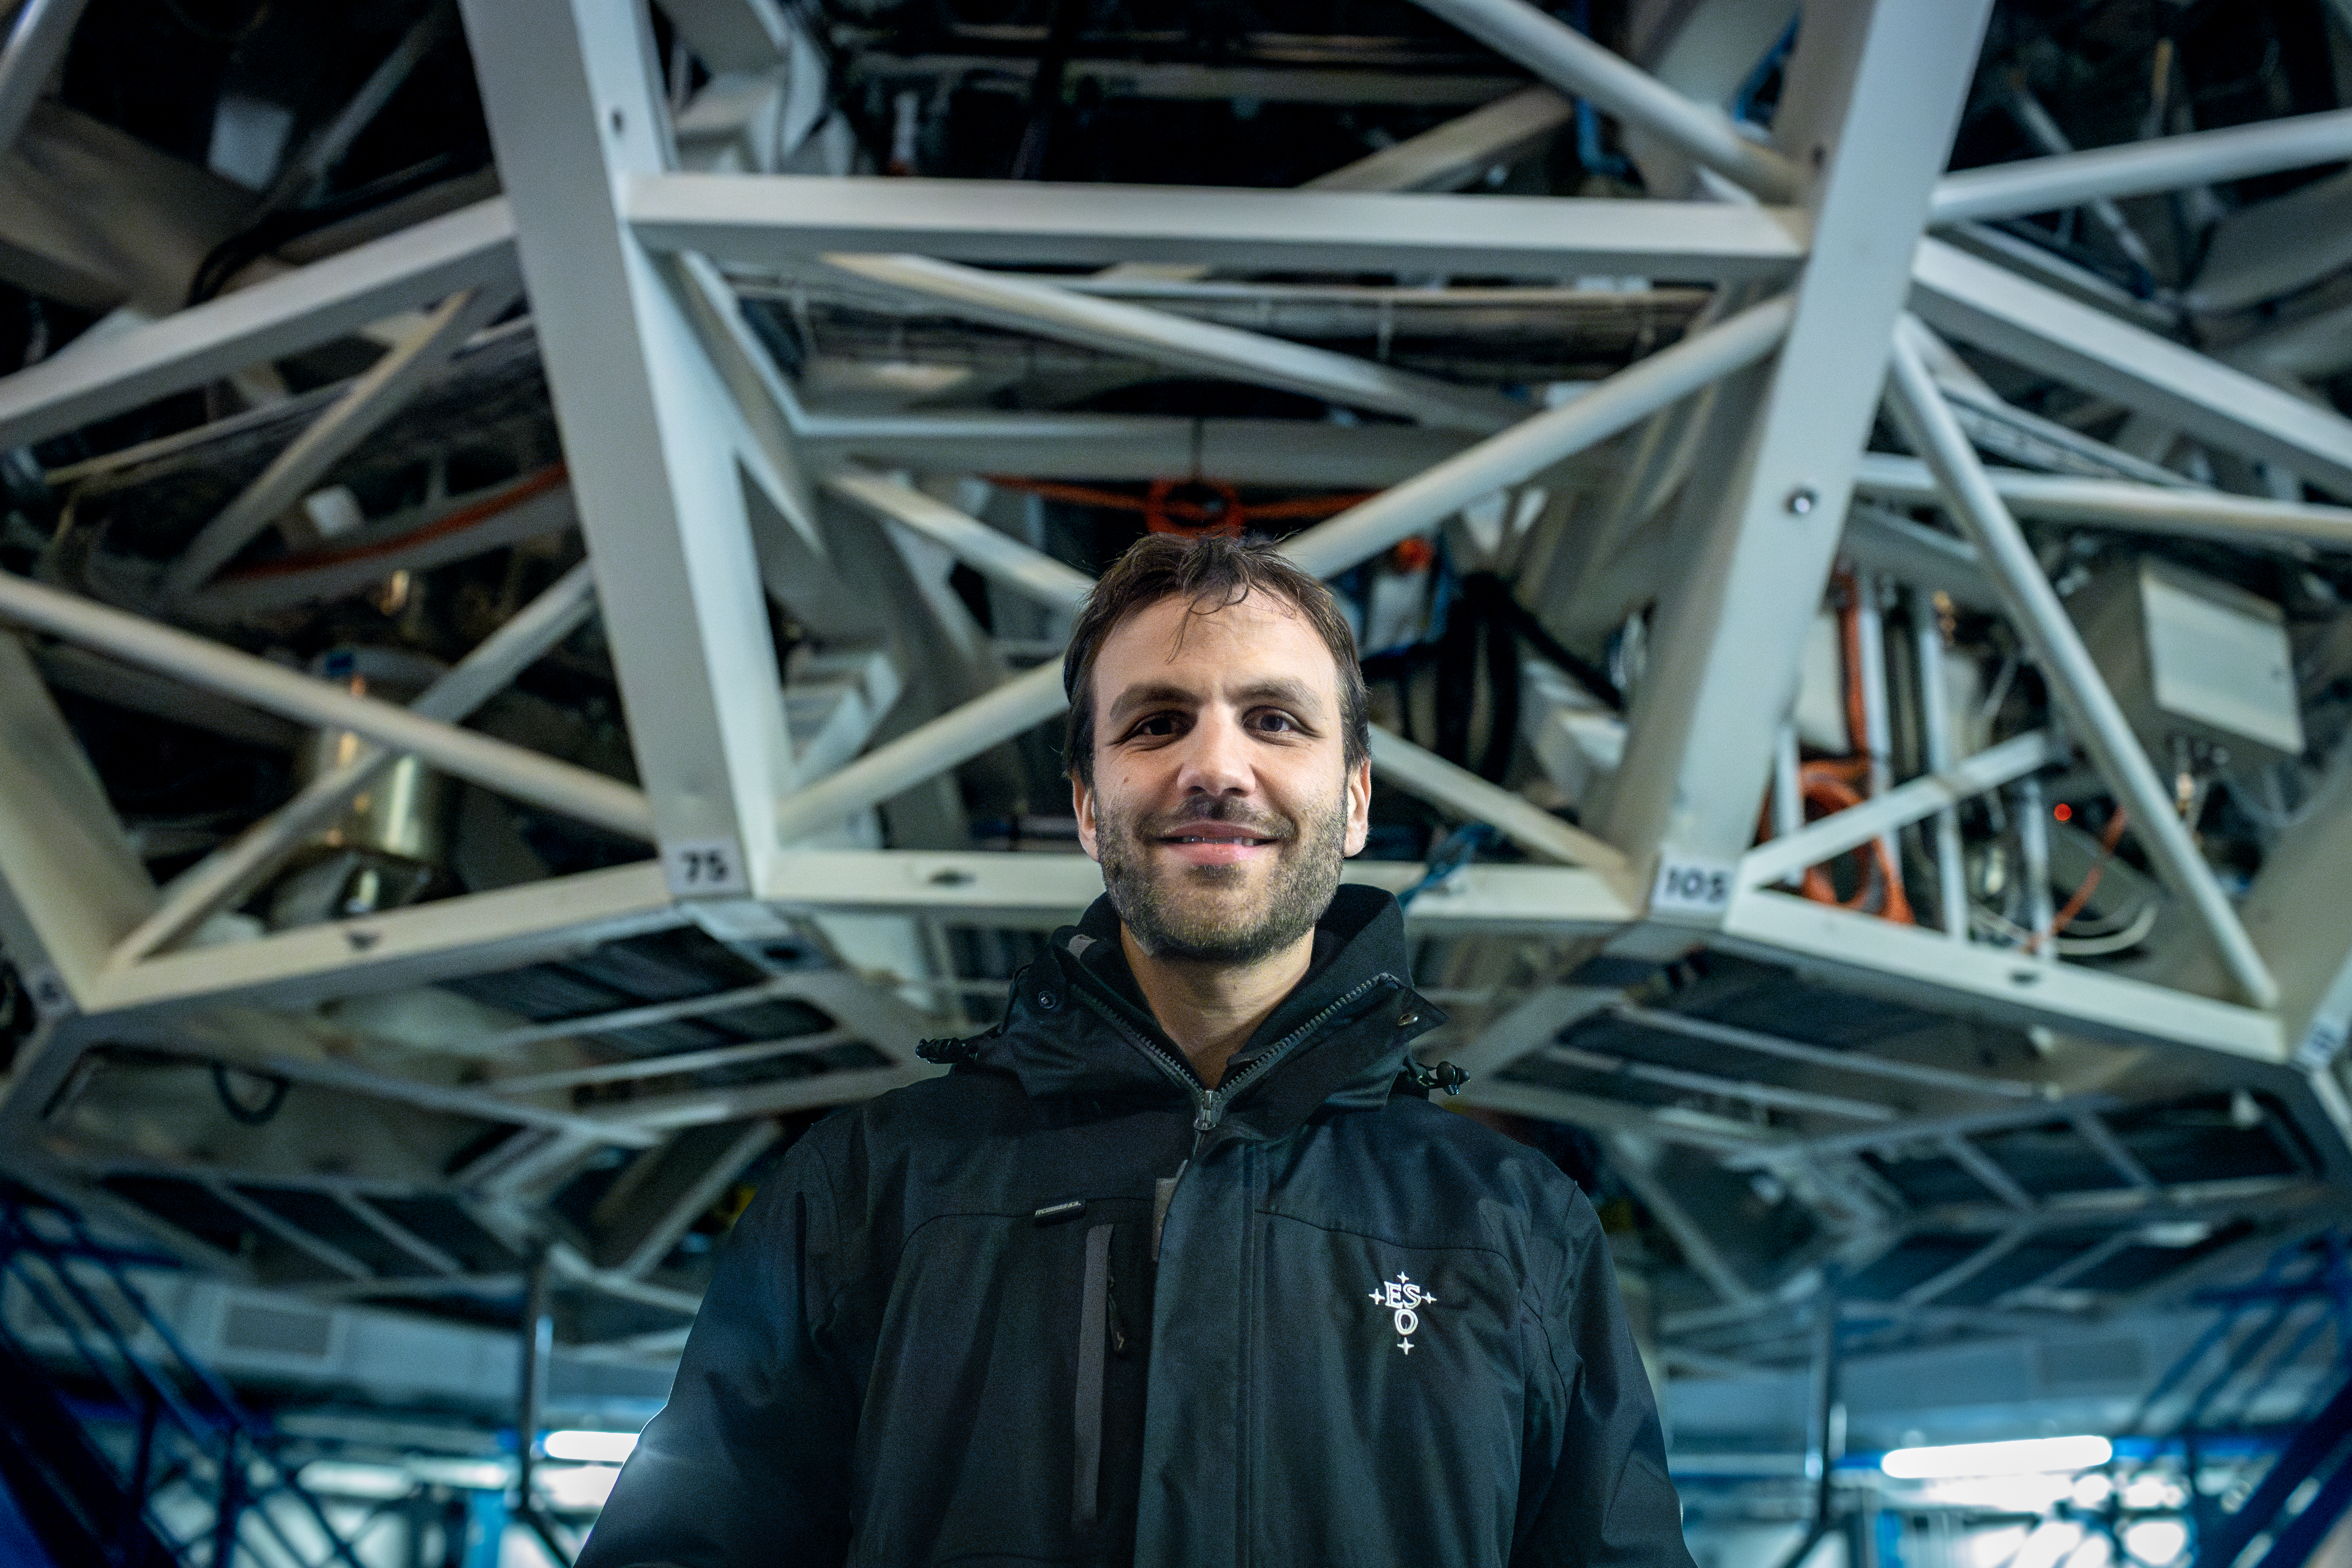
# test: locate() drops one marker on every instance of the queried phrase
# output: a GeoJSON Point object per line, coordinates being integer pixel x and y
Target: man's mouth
{"type": "Point", "coordinates": [1214, 843]}
{"type": "Point", "coordinates": [1212, 833]}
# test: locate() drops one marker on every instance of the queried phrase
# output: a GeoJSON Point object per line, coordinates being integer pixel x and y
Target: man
{"type": "Point", "coordinates": [1179, 1267]}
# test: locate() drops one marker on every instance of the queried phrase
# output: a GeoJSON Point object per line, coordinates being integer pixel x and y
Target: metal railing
{"type": "Point", "coordinates": [196, 1452]}
{"type": "Point", "coordinates": [2226, 1393]}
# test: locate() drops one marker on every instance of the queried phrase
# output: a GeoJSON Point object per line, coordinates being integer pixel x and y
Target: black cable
{"type": "Point", "coordinates": [1502, 675]}
{"type": "Point", "coordinates": [1045, 90]}
{"type": "Point", "coordinates": [1457, 679]}
{"type": "Point", "coordinates": [1549, 649]}
{"type": "Point", "coordinates": [225, 260]}
{"type": "Point", "coordinates": [816, 26]}
{"type": "Point", "coordinates": [249, 1115]}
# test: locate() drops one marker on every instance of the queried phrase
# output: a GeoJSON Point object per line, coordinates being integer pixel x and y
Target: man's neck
{"type": "Point", "coordinates": [1211, 1010]}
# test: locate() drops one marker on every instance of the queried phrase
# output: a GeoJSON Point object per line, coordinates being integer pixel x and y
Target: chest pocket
{"type": "Point", "coordinates": [1002, 1408]}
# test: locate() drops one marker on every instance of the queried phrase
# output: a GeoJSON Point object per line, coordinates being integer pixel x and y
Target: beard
{"type": "Point", "coordinates": [1204, 914]}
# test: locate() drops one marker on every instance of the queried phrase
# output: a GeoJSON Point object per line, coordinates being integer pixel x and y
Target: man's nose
{"type": "Point", "coordinates": [1216, 759]}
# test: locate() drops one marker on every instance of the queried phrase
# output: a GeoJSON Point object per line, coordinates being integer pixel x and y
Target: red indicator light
{"type": "Point", "coordinates": [2062, 812]}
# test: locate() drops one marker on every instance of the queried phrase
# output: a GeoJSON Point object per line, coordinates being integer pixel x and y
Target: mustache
{"type": "Point", "coordinates": [1198, 811]}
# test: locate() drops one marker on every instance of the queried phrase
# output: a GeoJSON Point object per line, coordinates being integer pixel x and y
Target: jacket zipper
{"type": "Point", "coordinates": [1209, 1104]}
{"type": "Point", "coordinates": [1213, 1107]}
{"type": "Point", "coordinates": [1086, 1418]}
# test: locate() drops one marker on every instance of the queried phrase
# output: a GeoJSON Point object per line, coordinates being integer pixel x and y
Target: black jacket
{"type": "Point", "coordinates": [1374, 1332]}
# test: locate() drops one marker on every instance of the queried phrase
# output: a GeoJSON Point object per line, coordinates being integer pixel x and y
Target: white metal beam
{"type": "Point", "coordinates": [69, 882]}
{"type": "Point", "coordinates": [2138, 168]}
{"type": "Point", "coordinates": [315, 304]}
{"type": "Point", "coordinates": [1445, 158]}
{"type": "Point", "coordinates": [373, 397]}
{"type": "Point", "coordinates": [562, 917]}
{"type": "Point", "coordinates": [2076, 684]}
{"type": "Point", "coordinates": [1025, 304]}
{"type": "Point", "coordinates": [1456, 789]}
{"type": "Point", "coordinates": [1110, 446]}
{"type": "Point", "coordinates": [2036, 327]}
{"type": "Point", "coordinates": [1039, 891]}
{"type": "Point", "coordinates": [2119, 503]}
{"type": "Point", "coordinates": [494, 765]}
{"type": "Point", "coordinates": [1002, 560]}
{"type": "Point", "coordinates": [1456, 152]}
{"type": "Point", "coordinates": [232, 871]}
{"type": "Point", "coordinates": [1541, 440]}
{"type": "Point", "coordinates": [1833, 834]}
{"type": "Point", "coordinates": [37, 37]}
{"type": "Point", "coordinates": [1877, 89]}
{"type": "Point", "coordinates": [307, 167]}
{"type": "Point", "coordinates": [778, 220]}
{"type": "Point", "coordinates": [1922, 968]}
{"type": "Point", "coordinates": [1575, 64]}
{"type": "Point", "coordinates": [570, 92]}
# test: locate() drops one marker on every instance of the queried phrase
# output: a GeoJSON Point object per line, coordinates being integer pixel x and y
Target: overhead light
{"type": "Point", "coordinates": [593, 1447]}
{"type": "Point", "coordinates": [2025, 1456]}
{"type": "Point", "coordinates": [2156, 1540]}
{"type": "Point", "coordinates": [473, 1475]}
{"type": "Point", "coordinates": [342, 1479]}
{"type": "Point", "coordinates": [1998, 1494]}
{"type": "Point", "coordinates": [2051, 1543]}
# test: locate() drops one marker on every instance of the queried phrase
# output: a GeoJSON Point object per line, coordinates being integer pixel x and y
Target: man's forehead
{"type": "Point", "coordinates": [1253, 643]}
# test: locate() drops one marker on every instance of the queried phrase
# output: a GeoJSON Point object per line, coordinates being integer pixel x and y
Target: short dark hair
{"type": "Point", "coordinates": [1210, 571]}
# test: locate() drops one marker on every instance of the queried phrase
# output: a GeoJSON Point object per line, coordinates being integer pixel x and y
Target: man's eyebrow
{"type": "Point", "coordinates": [1147, 694]}
{"type": "Point", "coordinates": [1293, 693]}
{"type": "Point", "coordinates": [1297, 693]}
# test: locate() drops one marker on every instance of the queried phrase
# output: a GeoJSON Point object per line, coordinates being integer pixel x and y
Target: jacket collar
{"type": "Point", "coordinates": [1075, 1026]}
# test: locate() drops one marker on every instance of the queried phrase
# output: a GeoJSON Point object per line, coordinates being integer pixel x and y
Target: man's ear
{"type": "Point", "coordinates": [1082, 807]}
{"type": "Point", "coordinates": [1360, 808]}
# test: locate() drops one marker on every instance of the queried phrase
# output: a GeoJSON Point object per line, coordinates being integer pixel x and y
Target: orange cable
{"type": "Point", "coordinates": [456, 521]}
{"type": "Point", "coordinates": [2066, 916]}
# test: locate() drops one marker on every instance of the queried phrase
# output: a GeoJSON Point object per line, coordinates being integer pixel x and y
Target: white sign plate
{"type": "Point", "coordinates": [1691, 885]}
{"type": "Point", "coordinates": [702, 868]}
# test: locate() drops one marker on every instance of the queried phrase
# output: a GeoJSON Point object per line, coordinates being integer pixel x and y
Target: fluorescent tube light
{"type": "Point", "coordinates": [594, 1448]}
{"type": "Point", "coordinates": [2023, 1456]}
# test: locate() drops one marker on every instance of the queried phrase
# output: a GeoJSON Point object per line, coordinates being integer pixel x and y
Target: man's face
{"type": "Point", "coordinates": [1222, 802]}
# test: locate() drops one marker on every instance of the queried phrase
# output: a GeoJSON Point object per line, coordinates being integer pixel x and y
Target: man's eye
{"type": "Point", "coordinates": [1158, 726]}
{"type": "Point", "coordinates": [1278, 722]}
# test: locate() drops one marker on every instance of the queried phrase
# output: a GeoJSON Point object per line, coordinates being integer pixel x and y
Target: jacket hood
{"type": "Point", "coordinates": [1075, 1027]}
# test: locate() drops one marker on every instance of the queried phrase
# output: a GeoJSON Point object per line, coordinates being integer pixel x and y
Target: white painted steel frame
{"type": "Point", "coordinates": [472, 247]}
{"type": "Point", "coordinates": [571, 98]}
{"type": "Point", "coordinates": [668, 408]}
{"type": "Point", "coordinates": [2076, 684]}
{"type": "Point", "coordinates": [1047, 224]}
{"type": "Point", "coordinates": [1728, 631]}
{"type": "Point", "coordinates": [778, 219]}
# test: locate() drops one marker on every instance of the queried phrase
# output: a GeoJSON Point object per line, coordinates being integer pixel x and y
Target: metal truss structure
{"type": "Point", "coordinates": [1966, 1127]}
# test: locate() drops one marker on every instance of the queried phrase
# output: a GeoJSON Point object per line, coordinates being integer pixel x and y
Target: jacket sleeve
{"type": "Point", "coordinates": [748, 1462]}
{"type": "Point", "coordinates": [1598, 1464]}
